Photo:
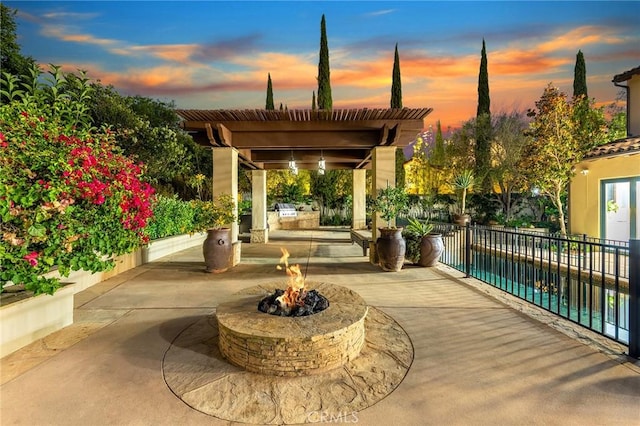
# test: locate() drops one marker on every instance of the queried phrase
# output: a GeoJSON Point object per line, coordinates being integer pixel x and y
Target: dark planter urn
{"type": "Point", "coordinates": [431, 249]}
{"type": "Point", "coordinates": [461, 219]}
{"type": "Point", "coordinates": [391, 248]}
{"type": "Point", "coordinates": [217, 250]}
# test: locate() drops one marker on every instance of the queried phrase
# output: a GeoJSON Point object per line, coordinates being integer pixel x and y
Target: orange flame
{"type": "Point", "coordinates": [295, 293]}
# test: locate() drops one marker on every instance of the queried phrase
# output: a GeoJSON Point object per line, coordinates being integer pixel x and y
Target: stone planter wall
{"type": "Point", "coordinates": [166, 246]}
{"type": "Point", "coordinates": [27, 320]}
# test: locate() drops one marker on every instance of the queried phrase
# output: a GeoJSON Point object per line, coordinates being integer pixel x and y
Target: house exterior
{"type": "Point", "coordinates": [604, 195]}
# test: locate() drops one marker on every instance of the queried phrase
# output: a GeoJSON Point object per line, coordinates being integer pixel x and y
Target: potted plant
{"type": "Point", "coordinates": [424, 247]}
{"type": "Point", "coordinates": [464, 182]}
{"type": "Point", "coordinates": [212, 216]}
{"type": "Point", "coordinates": [390, 246]}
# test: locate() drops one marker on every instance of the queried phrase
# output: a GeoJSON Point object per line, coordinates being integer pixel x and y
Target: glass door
{"type": "Point", "coordinates": [621, 215]}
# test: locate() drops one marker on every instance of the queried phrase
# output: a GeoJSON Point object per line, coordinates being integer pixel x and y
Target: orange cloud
{"type": "Point", "coordinates": [288, 72]}
{"type": "Point", "coordinates": [60, 33]}
{"type": "Point", "coordinates": [181, 53]}
{"type": "Point", "coordinates": [581, 37]}
{"type": "Point", "coordinates": [515, 61]}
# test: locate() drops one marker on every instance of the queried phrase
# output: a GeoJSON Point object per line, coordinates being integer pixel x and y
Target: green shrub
{"type": "Point", "coordinates": [171, 216]}
{"type": "Point", "coordinates": [213, 214]}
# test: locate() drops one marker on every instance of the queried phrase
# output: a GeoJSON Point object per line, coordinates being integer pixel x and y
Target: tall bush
{"type": "Point", "coordinates": [69, 198]}
{"type": "Point", "coordinates": [171, 216]}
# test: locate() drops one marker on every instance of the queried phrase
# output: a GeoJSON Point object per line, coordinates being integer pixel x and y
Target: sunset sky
{"type": "Point", "coordinates": [216, 54]}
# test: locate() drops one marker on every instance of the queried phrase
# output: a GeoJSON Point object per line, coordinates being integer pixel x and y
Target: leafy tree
{"type": "Point", "coordinates": [437, 159]}
{"type": "Point", "coordinates": [507, 149]}
{"type": "Point", "coordinates": [284, 185]}
{"type": "Point", "coordinates": [415, 176]}
{"type": "Point", "coordinates": [559, 141]}
{"type": "Point", "coordinates": [324, 80]}
{"type": "Point", "coordinates": [313, 101]}
{"type": "Point", "coordinates": [269, 104]}
{"type": "Point", "coordinates": [461, 147]}
{"type": "Point", "coordinates": [419, 173]}
{"type": "Point", "coordinates": [11, 59]}
{"type": "Point", "coordinates": [149, 130]}
{"type": "Point", "coordinates": [331, 190]}
{"type": "Point", "coordinates": [580, 76]}
{"type": "Point", "coordinates": [396, 85]}
{"type": "Point", "coordinates": [483, 123]}
{"type": "Point", "coordinates": [617, 124]}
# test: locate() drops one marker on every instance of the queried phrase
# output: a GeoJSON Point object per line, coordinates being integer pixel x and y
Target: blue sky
{"type": "Point", "coordinates": [216, 54]}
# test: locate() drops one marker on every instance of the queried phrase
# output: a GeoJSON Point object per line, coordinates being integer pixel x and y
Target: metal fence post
{"type": "Point", "coordinates": [467, 250]}
{"type": "Point", "coordinates": [634, 298]}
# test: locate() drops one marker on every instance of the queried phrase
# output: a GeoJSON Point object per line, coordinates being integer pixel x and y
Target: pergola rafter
{"type": "Point", "coordinates": [266, 139]}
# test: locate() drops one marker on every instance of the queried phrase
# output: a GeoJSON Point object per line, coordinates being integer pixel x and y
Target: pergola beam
{"type": "Point", "coordinates": [267, 138]}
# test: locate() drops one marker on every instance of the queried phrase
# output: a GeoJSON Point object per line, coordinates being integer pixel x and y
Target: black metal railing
{"type": "Point", "coordinates": [585, 280]}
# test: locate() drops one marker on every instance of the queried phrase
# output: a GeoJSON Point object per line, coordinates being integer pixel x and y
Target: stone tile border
{"type": "Point", "coordinates": [196, 372]}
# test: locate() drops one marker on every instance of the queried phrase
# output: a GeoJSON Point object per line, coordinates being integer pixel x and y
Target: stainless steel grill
{"type": "Point", "coordinates": [286, 210]}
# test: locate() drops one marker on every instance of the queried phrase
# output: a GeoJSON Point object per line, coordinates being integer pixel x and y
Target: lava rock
{"type": "Point", "coordinates": [314, 302]}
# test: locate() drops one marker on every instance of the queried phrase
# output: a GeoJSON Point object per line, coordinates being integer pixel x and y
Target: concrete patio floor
{"type": "Point", "coordinates": [480, 357]}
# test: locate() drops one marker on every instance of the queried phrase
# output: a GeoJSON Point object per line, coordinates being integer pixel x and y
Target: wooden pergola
{"type": "Point", "coordinates": [263, 140]}
{"type": "Point", "coordinates": [268, 139]}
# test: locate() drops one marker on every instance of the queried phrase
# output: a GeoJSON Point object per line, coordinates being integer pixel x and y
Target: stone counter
{"type": "Point", "coordinates": [304, 220]}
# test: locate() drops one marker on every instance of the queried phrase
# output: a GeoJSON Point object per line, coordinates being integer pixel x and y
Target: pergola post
{"type": "Point", "coordinates": [259, 223]}
{"type": "Point", "coordinates": [359, 195]}
{"type": "Point", "coordinates": [383, 168]}
{"type": "Point", "coordinates": [225, 181]}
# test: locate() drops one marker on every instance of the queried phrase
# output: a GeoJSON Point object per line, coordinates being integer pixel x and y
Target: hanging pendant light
{"type": "Point", "coordinates": [292, 165]}
{"type": "Point", "coordinates": [321, 164]}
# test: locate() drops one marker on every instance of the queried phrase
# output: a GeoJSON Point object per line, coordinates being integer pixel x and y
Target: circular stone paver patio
{"type": "Point", "coordinates": [196, 372]}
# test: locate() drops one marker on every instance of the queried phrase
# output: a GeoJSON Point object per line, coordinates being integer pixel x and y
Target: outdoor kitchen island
{"type": "Point", "coordinates": [286, 216]}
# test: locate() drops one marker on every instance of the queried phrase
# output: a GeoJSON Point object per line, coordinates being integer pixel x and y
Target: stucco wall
{"type": "Point", "coordinates": [584, 201]}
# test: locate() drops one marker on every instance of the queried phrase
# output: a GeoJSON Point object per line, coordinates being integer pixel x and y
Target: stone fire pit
{"type": "Point", "coordinates": [196, 371]}
{"type": "Point", "coordinates": [292, 346]}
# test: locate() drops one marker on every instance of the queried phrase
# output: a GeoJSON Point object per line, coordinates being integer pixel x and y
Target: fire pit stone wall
{"type": "Point", "coordinates": [292, 346]}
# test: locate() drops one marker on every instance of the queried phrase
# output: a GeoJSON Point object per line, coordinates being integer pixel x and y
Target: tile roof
{"type": "Point", "coordinates": [626, 75]}
{"type": "Point", "coordinates": [625, 146]}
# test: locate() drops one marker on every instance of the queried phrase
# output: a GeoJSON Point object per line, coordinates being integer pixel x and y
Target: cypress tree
{"type": "Point", "coordinates": [437, 157]}
{"type": "Point", "coordinates": [313, 101]}
{"type": "Point", "coordinates": [580, 76]}
{"type": "Point", "coordinates": [396, 85]}
{"type": "Point", "coordinates": [483, 124]}
{"type": "Point", "coordinates": [484, 102]}
{"type": "Point", "coordinates": [324, 81]}
{"type": "Point", "coordinates": [269, 104]}
{"type": "Point", "coordinates": [400, 173]}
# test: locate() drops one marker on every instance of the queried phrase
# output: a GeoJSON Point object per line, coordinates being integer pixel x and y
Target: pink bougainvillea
{"type": "Point", "coordinates": [68, 198]}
